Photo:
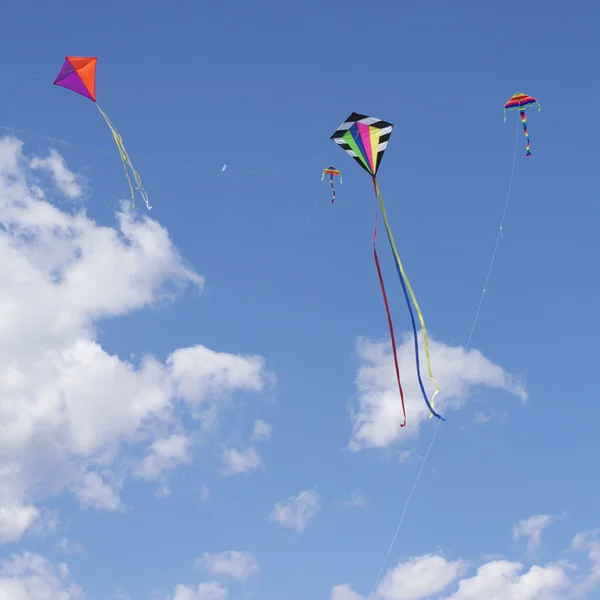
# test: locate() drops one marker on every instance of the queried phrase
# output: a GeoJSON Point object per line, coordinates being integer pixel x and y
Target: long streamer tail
{"type": "Point", "coordinates": [389, 316]}
{"type": "Point", "coordinates": [332, 189]}
{"type": "Point", "coordinates": [126, 162]}
{"type": "Point", "coordinates": [407, 289]}
{"type": "Point", "coordinates": [524, 121]}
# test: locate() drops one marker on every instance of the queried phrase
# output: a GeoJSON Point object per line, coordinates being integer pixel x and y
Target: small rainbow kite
{"type": "Point", "coordinates": [519, 102]}
{"type": "Point", "coordinates": [78, 74]}
{"type": "Point", "coordinates": [331, 171]}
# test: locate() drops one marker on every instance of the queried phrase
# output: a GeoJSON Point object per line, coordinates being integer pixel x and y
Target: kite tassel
{"type": "Point", "coordinates": [126, 162]}
{"type": "Point", "coordinates": [528, 144]}
{"type": "Point", "coordinates": [389, 315]}
{"type": "Point", "coordinates": [407, 289]}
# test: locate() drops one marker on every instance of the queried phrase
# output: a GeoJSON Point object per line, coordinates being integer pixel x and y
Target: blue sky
{"type": "Point", "coordinates": [275, 313]}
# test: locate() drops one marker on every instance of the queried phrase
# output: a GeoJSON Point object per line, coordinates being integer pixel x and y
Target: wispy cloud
{"type": "Point", "coordinates": [295, 512]}
{"type": "Point", "coordinates": [532, 529]}
{"type": "Point", "coordinates": [236, 461]}
{"type": "Point", "coordinates": [232, 563]}
{"type": "Point", "coordinates": [356, 500]}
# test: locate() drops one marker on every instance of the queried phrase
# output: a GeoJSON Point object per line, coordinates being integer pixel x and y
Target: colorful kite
{"type": "Point", "coordinates": [365, 140]}
{"type": "Point", "coordinates": [521, 101]}
{"type": "Point", "coordinates": [331, 171]}
{"type": "Point", "coordinates": [78, 74]}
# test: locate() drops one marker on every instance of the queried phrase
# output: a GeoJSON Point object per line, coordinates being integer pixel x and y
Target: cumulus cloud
{"type": "Point", "coordinates": [295, 512]}
{"type": "Point", "coordinates": [378, 415]}
{"type": "Point", "coordinates": [234, 564]}
{"type": "Point", "coordinates": [70, 410]}
{"type": "Point", "coordinates": [532, 528]}
{"type": "Point", "coordinates": [15, 519]}
{"type": "Point", "coordinates": [30, 576]}
{"type": "Point", "coordinates": [434, 576]}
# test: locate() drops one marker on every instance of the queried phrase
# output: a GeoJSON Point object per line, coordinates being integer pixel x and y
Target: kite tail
{"type": "Point", "coordinates": [524, 121]}
{"type": "Point", "coordinates": [126, 162]}
{"type": "Point", "coordinates": [406, 287]}
{"type": "Point", "coordinates": [332, 189]}
{"type": "Point", "coordinates": [389, 316]}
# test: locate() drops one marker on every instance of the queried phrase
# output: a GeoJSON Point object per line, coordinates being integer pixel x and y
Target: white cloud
{"type": "Point", "coordinates": [434, 576]}
{"type": "Point", "coordinates": [236, 461]}
{"type": "Point", "coordinates": [588, 540]}
{"type": "Point", "coordinates": [198, 371]}
{"type": "Point", "coordinates": [164, 454]}
{"type": "Point", "coordinates": [419, 577]}
{"type": "Point", "coordinates": [235, 564]}
{"type": "Point", "coordinates": [344, 592]}
{"type": "Point", "coordinates": [14, 520]}
{"type": "Point", "coordinates": [208, 590]}
{"type": "Point", "coordinates": [379, 415]}
{"type": "Point", "coordinates": [91, 491]}
{"type": "Point", "coordinates": [295, 512]}
{"type": "Point", "coordinates": [64, 179]}
{"type": "Point", "coordinates": [69, 410]}
{"type": "Point", "coordinates": [356, 500]}
{"type": "Point", "coordinates": [262, 430]}
{"type": "Point", "coordinates": [31, 577]}
{"type": "Point", "coordinates": [532, 528]}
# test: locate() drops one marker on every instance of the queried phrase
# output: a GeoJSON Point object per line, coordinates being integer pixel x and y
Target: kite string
{"type": "Point", "coordinates": [468, 345]}
{"type": "Point", "coordinates": [387, 306]}
{"type": "Point", "coordinates": [179, 165]}
{"type": "Point", "coordinates": [404, 277]}
{"type": "Point", "coordinates": [498, 237]}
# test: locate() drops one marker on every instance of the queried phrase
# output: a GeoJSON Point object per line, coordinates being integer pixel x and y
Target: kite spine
{"type": "Point", "coordinates": [407, 288]}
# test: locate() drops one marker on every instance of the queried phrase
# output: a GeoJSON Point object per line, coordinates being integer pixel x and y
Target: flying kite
{"type": "Point", "coordinates": [78, 74]}
{"type": "Point", "coordinates": [521, 101]}
{"type": "Point", "coordinates": [331, 171]}
{"type": "Point", "coordinates": [365, 140]}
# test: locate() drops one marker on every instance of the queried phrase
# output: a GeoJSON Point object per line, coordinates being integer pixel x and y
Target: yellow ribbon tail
{"type": "Point", "coordinates": [412, 295]}
{"type": "Point", "coordinates": [126, 162]}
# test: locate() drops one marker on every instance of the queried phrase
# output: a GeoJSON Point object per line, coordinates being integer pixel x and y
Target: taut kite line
{"type": "Point", "coordinates": [78, 74]}
{"type": "Point", "coordinates": [365, 139]}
